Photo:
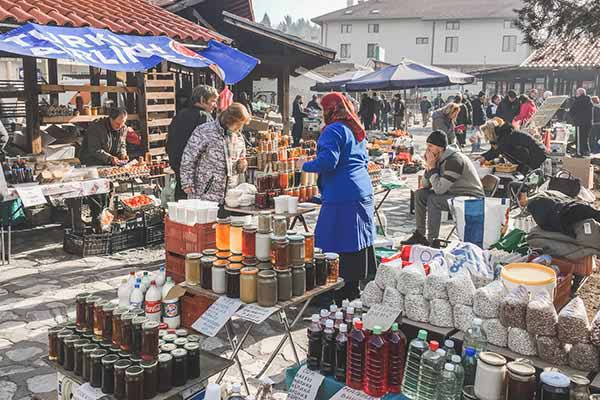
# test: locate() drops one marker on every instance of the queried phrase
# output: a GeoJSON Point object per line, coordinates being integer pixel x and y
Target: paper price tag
{"type": "Point", "coordinates": [381, 315]}
{"type": "Point", "coordinates": [31, 196]}
{"type": "Point", "coordinates": [87, 392]}
{"type": "Point", "coordinates": [211, 322]}
{"type": "Point", "coordinates": [255, 313]}
{"type": "Point", "coordinates": [306, 384]}
{"type": "Point", "coordinates": [350, 394]}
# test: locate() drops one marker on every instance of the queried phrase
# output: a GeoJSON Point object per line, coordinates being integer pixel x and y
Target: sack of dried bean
{"type": "Point", "coordinates": [463, 317]}
{"type": "Point", "coordinates": [520, 341]}
{"type": "Point", "coordinates": [584, 356]}
{"type": "Point", "coordinates": [551, 350]}
{"type": "Point", "coordinates": [436, 282]}
{"type": "Point", "coordinates": [441, 313]}
{"type": "Point", "coordinates": [371, 294]}
{"type": "Point", "coordinates": [461, 289]}
{"type": "Point", "coordinates": [573, 323]}
{"type": "Point", "coordinates": [410, 280]}
{"type": "Point", "coordinates": [542, 317]}
{"type": "Point", "coordinates": [386, 275]}
{"type": "Point", "coordinates": [595, 330]}
{"type": "Point", "coordinates": [416, 307]}
{"type": "Point", "coordinates": [486, 301]}
{"type": "Point", "coordinates": [513, 308]}
{"type": "Point", "coordinates": [497, 334]}
{"type": "Point", "coordinates": [393, 298]}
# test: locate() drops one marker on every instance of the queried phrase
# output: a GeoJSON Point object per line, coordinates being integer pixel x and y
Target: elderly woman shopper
{"type": "Point", "coordinates": [345, 224]}
{"type": "Point", "coordinates": [444, 119]}
{"type": "Point", "coordinates": [215, 156]}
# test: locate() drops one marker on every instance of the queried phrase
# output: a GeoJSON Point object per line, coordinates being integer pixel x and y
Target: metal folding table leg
{"type": "Point", "coordinates": [236, 346]}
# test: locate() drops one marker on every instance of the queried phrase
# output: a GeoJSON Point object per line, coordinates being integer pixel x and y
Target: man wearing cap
{"type": "Point", "coordinates": [449, 173]}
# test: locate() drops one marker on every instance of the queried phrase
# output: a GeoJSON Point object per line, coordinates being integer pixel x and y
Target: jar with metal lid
{"type": "Point", "coordinates": [280, 254]}
{"type": "Point", "coordinates": [168, 347]}
{"type": "Point", "coordinates": [266, 288]}
{"type": "Point", "coordinates": [114, 349]}
{"type": "Point", "coordinates": [193, 360]}
{"type": "Point", "coordinates": [224, 255]}
{"type": "Point", "coordinates": [80, 316]}
{"type": "Point", "coordinates": [223, 233]}
{"type": "Point", "coordinates": [296, 250]}
{"type": "Point", "coordinates": [78, 352]}
{"type": "Point", "coordinates": [298, 280]}
{"type": "Point", "coordinates": [180, 342]}
{"type": "Point", "coordinates": [96, 367]}
{"type": "Point", "coordinates": [117, 325]}
{"type": "Point", "coordinates": [137, 335]}
{"type": "Point", "coordinates": [125, 355]}
{"type": "Point", "coordinates": [193, 338]}
{"type": "Point", "coordinates": [468, 393]}
{"type": "Point", "coordinates": [69, 349]}
{"type": "Point", "coordinates": [521, 381]}
{"type": "Point", "coordinates": [136, 359]}
{"type": "Point", "coordinates": [108, 373]}
{"type": "Point", "coordinates": [119, 375]}
{"type": "Point", "coordinates": [89, 312]}
{"type": "Point", "coordinates": [192, 269]}
{"type": "Point", "coordinates": [321, 272]}
{"type": "Point", "coordinates": [490, 376]}
{"type": "Point", "coordinates": [179, 367]}
{"type": "Point", "coordinates": [181, 332]}
{"type": "Point", "coordinates": [309, 247]}
{"type": "Point", "coordinates": [333, 267]}
{"type": "Point", "coordinates": [149, 340]}
{"type": "Point", "coordinates": [206, 264]}
{"type": "Point", "coordinates": [279, 226]}
{"type": "Point", "coordinates": [235, 236]}
{"type": "Point", "coordinates": [98, 316]}
{"type": "Point", "coordinates": [210, 252]}
{"type": "Point", "coordinates": [284, 284]}
{"type": "Point", "coordinates": [219, 282]}
{"type": "Point", "coordinates": [232, 273]}
{"type": "Point", "coordinates": [265, 265]}
{"type": "Point", "coordinates": [580, 388]}
{"type": "Point", "coordinates": [165, 372]}
{"type": "Point", "coordinates": [134, 383]}
{"type": "Point", "coordinates": [107, 317]}
{"type": "Point", "coordinates": [150, 368]}
{"type": "Point", "coordinates": [249, 241]}
{"type": "Point", "coordinates": [236, 259]}
{"type": "Point", "coordinates": [53, 342]}
{"type": "Point", "coordinates": [248, 284]}
{"type": "Point", "coordinates": [311, 279]}
{"type": "Point", "coordinates": [126, 330]}
{"type": "Point", "coordinates": [554, 386]}
{"type": "Point", "coordinates": [86, 366]}
{"type": "Point", "coordinates": [264, 222]}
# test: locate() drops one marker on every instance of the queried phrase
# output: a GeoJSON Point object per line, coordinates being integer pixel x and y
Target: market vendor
{"type": "Point", "coordinates": [345, 224]}
{"type": "Point", "coordinates": [449, 173]}
{"type": "Point", "coordinates": [105, 142]}
{"type": "Point", "coordinates": [515, 146]}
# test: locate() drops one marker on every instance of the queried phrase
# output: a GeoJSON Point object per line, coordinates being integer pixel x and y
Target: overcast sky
{"type": "Point", "coordinates": [308, 9]}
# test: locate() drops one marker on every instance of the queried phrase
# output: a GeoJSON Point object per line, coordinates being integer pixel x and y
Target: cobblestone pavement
{"type": "Point", "coordinates": [37, 291]}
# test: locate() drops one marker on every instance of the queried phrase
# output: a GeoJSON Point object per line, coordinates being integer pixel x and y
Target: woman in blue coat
{"type": "Point", "coordinates": [345, 224]}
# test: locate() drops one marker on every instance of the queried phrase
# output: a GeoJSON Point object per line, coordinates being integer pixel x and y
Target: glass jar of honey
{"type": "Point", "coordinates": [309, 246]}
{"type": "Point", "coordinates": [222, 233]}
{"type": "Point", "coordinates": [192, 269]}
{"type": "Point", "coordinates": [235, 237]}
{"type": "Point", "coordinates": [283, 180]}
{"type": "Point", "coordinates": [280, 254]}
{"type": "Point", "coordinates": [249, 241]}
{"type": "Point", "coordinates": [98, 317]}
{"type": "Point", "coordinates": [333, 267]}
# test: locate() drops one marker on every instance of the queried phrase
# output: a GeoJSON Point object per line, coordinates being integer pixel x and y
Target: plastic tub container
{"type": "Point", "coordinates": [535, 277]}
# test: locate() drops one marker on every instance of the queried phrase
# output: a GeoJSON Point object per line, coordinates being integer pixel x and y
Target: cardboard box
{"type": "Point", "coordinates": [581, 168]}
{"type": "Point", "coordinates": [258, 124]}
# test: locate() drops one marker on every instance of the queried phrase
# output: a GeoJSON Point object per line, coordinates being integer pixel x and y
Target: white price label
{"type": "Point", "coordinates": [213, 319]}
{"type": "Point", "coordinates": [31, 196]}
{"type": "Point", "coordinates": [347, 393]}
{"type": "Point", "coordinates": [87, 392]}
{"type": "Point", "coordinates": [587, 228]}
{"type": "Point", "coordinates": [381, 315]}
{"type": "Point", "coordinates": [255, 313]}
{"type": "Point", "coordinates": [306, 384]}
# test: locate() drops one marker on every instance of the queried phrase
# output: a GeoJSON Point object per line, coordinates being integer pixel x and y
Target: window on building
{"type": "Point", "coordinates": [346, 28]}
{"type": "Point", "coordinates": [345, 49]}
{"type": "Point", "coordinates": [422, 40]}
{"type": "Point", "coordinates": [510, 24]}
{"type": "Point", "coordinates": [372, 50]}
{"type": "Point", "coordinates": [452, 44]}
{"type": "Point", "coordinates": [373, 28]}
{"type": "Point", "coordinates": [509, 44]}
{"type": "Point", "coordinates": [452, 25]}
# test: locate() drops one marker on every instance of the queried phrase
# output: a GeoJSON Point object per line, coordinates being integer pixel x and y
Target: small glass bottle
{"type": "Point", "coordinates": [222, 233]}
{"type": "Point", "coordinates": [235, 237]}
{"type": "Point", "coordinates": [165, 372]}
{"type": "Point", "coordinates": [248, 284]}
{"type": "Point", "coordinates": [137, 335]}
{"type": "Point", "coordinates": [333, 267]}
{"type": "Point", "coordinates": [311, 279]}
{"type": "Point", "coordinates": [264, 222]}
{"type": "Point", "coordinates": [249, 241]}
{"type": "Point", "coordinates": [206, 263]}
{"type": "Point", "coordinates": [108, 373]}
{"type": "Point", "coordinates": [192, 269]}
{"type": "Point", "coordinates": [134, 383]}
{"type": "Point", "coordinates": [232, 274]}
{"type": "Point", "coordinates": [263, 246]}
{"type": "Point", "coordinates": [117, 326]}
{"type": "Point", "coordinates": [580, 388]}
{"type": "Point", "coordinates": [60, 340]}
{"type": "Point", "coordinates": [219, 282]}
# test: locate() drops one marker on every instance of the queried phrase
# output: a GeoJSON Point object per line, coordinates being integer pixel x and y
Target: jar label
{"type": "Point", "coordinates": [170, 310]}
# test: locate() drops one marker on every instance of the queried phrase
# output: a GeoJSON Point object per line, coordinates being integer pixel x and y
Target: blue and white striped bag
{"type": "Point", "coordinates": [480, 221]}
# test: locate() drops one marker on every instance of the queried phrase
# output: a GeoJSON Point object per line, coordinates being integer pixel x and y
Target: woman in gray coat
{"type": "Point", "coordinates": [444, 119]}
{"type": "Point", "coordinates": [215, 155]}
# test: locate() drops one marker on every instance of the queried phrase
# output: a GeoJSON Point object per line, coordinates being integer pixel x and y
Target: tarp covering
{"type": "Point", "coordinates": [407, 75]}
{"type": "Point", "coordinates": [103, 49]}
{"type": "Point", "coordinates": [338, 82]}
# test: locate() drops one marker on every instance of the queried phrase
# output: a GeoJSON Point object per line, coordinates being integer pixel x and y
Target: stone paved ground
{"type": "Point", "coordinates": [37, 291]}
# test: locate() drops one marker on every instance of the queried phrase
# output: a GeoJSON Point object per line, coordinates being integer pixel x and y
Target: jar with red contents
{"type": "Point", "coordinates": [80, 316]}
{"type": "Point", "coordinates": [280, 255]}
{"type": "Point", "coordinates": [249, 241]}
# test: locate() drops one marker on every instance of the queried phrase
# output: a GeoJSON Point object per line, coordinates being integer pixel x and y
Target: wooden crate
{"type": "Point", "coordinates": [562, 294]}
{"type": "Point", "coordinates": [192, 307]}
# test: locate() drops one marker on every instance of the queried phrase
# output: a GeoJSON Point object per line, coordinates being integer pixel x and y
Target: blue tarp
{"type": "Point", "coordinates": [408, 75]}
{"type": "Point", "coordinates": [103, 49]}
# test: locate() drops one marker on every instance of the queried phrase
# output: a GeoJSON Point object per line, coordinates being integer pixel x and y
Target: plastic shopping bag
{"type": "Point", "coordinates": [480, 221]}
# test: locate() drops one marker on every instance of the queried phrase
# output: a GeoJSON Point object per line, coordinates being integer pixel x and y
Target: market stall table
{"type": "Point", "coordinates": [298, 216]}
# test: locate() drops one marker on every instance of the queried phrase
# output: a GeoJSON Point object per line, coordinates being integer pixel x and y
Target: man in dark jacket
{"type": "Point", "coordinates": [463, 118]}
{"type": "Point", "coordinates": [204, 102]}
{"type": "Point", "coordinates": [314, 103]}
{"type": "Point", "coordinates": [105, 142]}
{"type": "Point", "coordinates": [438, 102]}
{"type": "Point", "coordinates": [385, 114]}
{"type": "Point", "coordinates": [377, 109]}
{"type": "Point", "coordinates": [582, 113]}
{"type": "Point", "coordinates": [367, 111]}
{"type": "Point", "coordinates": [426, 107]}
{"type": "Point", "coordinates": [399, 109]}
{"type": "Point", "coordinates": [509, 107]}
{"type": "Point", "coordinates": [479, 110]}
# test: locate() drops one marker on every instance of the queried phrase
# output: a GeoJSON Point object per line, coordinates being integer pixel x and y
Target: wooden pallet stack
{"type": "Point", "coordinates": [159, 102]}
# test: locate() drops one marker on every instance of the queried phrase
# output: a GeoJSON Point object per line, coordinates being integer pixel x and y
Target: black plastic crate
{"type": "Point", "coordinates": [87, 244]}
{"type": "Point", "coordinates": [127, 240]}
{"type": "Point", "coordinates": [154, 216]}
{"type": "Point", "coordinates": [155, 234]}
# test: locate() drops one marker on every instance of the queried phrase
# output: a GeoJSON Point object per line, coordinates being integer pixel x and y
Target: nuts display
{"type": "Point", "coordinates": [416, 307]}
{"type": "Point", "coordinates": [393, 298]}
{"type": "Point", "coordinates": [440, 313]}
{"type": "Point", "coordinates": [573, 323]}
{"type": "Point", "coordinates": [386, 275]}
{"type": "Point", "coordinates": [595, 330]}
{"type": "Point", "coordinates": [371, 294]}
{"type": "Point", "coordinates": [584, 356]}
{"type": "Point", "coordinates": [435, 285]}
{"type": "Point", "coordinates": [410, 280]}
{"type": "Point", "coordinates": [542, 318]}
{"type": "Point", "coordinates": [463, 317]}
{"type": "Point", "coordinates": [497, 334]}
{"type": "Point", "coordinates": [520, 341]}
{"type": "Point", "coordinates": [486, 301]}
{"type": "Point", "coordinates": [551, 350]}
{"type": "Point", "coordinates": [513, 308]}
{"type": "Point", "coordinates": [461, 289]}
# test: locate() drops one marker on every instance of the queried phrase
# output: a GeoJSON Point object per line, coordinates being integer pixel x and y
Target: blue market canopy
{"type": "Point", "coordinates": [104, 49]}
{"type": "Point", "coordinates": [408, 75]}
{"type": "Point", "coordinates": [338, 82]}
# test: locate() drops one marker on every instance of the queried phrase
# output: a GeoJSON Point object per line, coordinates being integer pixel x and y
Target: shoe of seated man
{"type": "Point", "coordinates": [416, 238]}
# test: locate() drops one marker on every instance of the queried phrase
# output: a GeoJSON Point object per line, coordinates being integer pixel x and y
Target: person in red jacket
{"type": "Point", "coordinates": [526, 110]}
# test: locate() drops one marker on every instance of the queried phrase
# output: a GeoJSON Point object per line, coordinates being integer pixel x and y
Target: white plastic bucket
{"type": "Point", "coordinates": [535, 277]}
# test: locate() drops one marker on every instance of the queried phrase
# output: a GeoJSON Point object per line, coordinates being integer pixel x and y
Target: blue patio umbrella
{"type": "Point", "coordinates": [338, 82]}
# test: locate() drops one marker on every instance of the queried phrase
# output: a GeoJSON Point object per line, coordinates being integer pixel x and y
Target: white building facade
{"type": "Point", "coordinates": [459, 34]}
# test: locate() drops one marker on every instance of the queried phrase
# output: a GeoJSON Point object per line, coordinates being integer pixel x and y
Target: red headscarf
{"type": "Point", "coordinates": [337, 108]}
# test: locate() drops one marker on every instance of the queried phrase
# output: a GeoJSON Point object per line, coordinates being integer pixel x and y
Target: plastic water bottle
{"type": "Point", "coordinates": [475, 336]}
{"type": "Point", "coordinates": [137, 297]}
{"type": "Point", "coordinates": [152, 306]}
{"type": "Point", "coordinates": [449, 348]}
{"type": "Point", "coordinates": [131, 279]}
{"type": "Point", "coordinates": [429, 372]}
{"type": "Point", "coordinates": [138, 281]}
{"type": "Point", "coordinates": [341, 352]}
{"type": "Point", "coordinates": [355, 369]}
{"type": "Point", "coordinates": [161, 277]}
{"type": "Point", "coordinates": [396, 359]}
{"type": "Point", "coordinates": [416, 349]}
{"type": "Point", "coordinates": [469, 363]}
{"type": "Point", "coordinates": [171, 309]}
{"type": "Point", "coordinates": [376, 370]}
{"type": "Point", "coordinates": [124, 293]}
{"type": "Point", "coordinates": [328, 349]}
{"type": "Point", "coordinates": [324, 318]}
{"type": "Point", "coordinates": [447, 384]}
{"type": "Point", "coordinates": [315, 334]}
{"type": "Point", "coordinates": [236, 392]}
{"type": "Point", "coordinates": [339, 320]}
{"type": "Point", "coordinates": [459, 372]}
{"type": "Point", "coordinates": [146, 281]}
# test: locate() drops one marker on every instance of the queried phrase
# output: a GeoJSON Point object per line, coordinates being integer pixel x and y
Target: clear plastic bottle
{"type": "Point", "coordinates": [341, 352]}
{"type": "Point", "coordinates": [349, 318]}
{"type": "Point", "coordinates": [358, 309]}
{"type": "Point", "coordinates": [324, 318]}
{"type": "Point", "coordinates": [397, 358]}
{"type": "Point", "coordinates": [124, 293]}
{"type": "Point", "coordinates": [345, 305]}
{"type": "Point", "coordinates": [136, 300]}
{"type": "Point", "coordinates": [328, 349]}
{"type": "Point", "coordinates": [429, 372]}
{"type": "Point", "coordinates": [332, 310]}
{"type": "Point", "coordinates": [376, 371]}
{"type": "Point", "coordinates": [459, 372]}
{"type": "Point", "coordinates": [161, 277]}
{"type": "Point", "coordinates": [339, 320]}
{"type": "Point", "coordinates": [138, 281]}
{"type": "Point", "coordinates": [449, 347]}
{"type": "Point", "coordinates": [146, 279]}
{"type": "Point", "coordinates": [469, 363]}
{"type": "Point", "coordinates": [236, 392]}
{"type": "Point", "coordinates": [416, 349]}
{"type": "Point", "coordinates": [152, 304]}
{"type": "Point", "coordinates": [355, 369]}
{"type": "Point", "coordinates": [447, 384]}
{"type": "Point", "coordinates": [315, 334]}
{"type": "Point", "coordinates": [475, 336]}
{"type": "Point", "coordinates": [131, 279]}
